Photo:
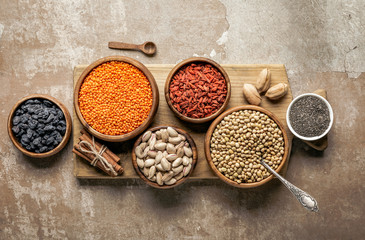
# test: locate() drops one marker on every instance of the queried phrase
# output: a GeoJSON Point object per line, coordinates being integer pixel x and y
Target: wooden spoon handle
{"type": "Point", "coordinates": [120, 45]}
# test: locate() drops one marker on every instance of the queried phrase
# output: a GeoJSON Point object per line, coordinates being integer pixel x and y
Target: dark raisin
{"type": "Point", "coordinates": [50, 141]}
{"type": "Point", "coordinates": [35, 116]}
{"type": "Point", "coordinates": [37, 141]}
{"type": "Point", "coordinates": [32, 123]}
{"type": "Point", "coordinates": [26, 107]}
{"type": "Point", "coordinates": [38, 111]}
{"type": "Point", "coordinates": [31, 110]}
{"type": "Point", "coordinates": [30, 101]}
{"type": "Point", "coordinates": [36, 101]}
{"type": "Point", "coordinates": [23, 126]}
{"type": "Point", "coordinates": [40, 131]}
{"type": "Point", "coordinates": [49, 128]}
{"type": "Point", "coordinates": [58, 137]}
{"type": "Point", "coordinates": [28, 147]}
{"type": "Point", "coordinates": [32, 146]}
{"type": "Point", "coordinates": [24, 118]}
{"type": "Point", "coordinates": [63, 131]}
{"type": "Point", "coordinates": [53, 111]}
{"type": "Point", "coordinates": [16, 120]}
{"type": "Point", "coordinates": [50, 118]}
{"type": "Point", "coordinates": [21, 132]}
{"type": "Point", "coordinates": [19, 112]}
{"type": "Point", "coordinates": [45, 137]}
{"type": "Point", "coordinates": [43, 149]}
{"type": "Point", "coordinates": [45, 114]}
{"type": "Point", "coordinates": [59, 114]}
{"type": "Point", "coordinates": [41, 120]}
{"type": "Point", "coordinates": [47, 103]}
{"type": "Point", "coordinates": [43, 142]}
{"type": "Point", "coordinates": [62, 122]}
{"type": "Point", "coordinates": [55, 121]}
{"type": "Point", "coordinates": [24, 140]}
{"type": "Point", "coordinates": [15, 129]}
{"type": "Point", "coordinates": [30, 133]}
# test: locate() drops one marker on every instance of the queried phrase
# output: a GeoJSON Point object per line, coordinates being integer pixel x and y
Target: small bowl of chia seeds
{"type": "Point", "coordinates": [309, 117]}
{"type": "Point", "coordinates": [39, 125]}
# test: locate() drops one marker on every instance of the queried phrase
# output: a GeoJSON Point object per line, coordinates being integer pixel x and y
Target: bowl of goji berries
{"type": "Point", "coordinates": [197, 90]}
{"type": "Point", "coordinates": [116, 98]}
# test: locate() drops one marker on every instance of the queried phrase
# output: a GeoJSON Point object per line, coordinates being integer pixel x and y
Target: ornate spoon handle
{"type": "Point", "coordinates": [304, 198]}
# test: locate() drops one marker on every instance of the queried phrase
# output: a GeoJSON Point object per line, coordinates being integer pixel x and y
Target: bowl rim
{"type": "Point", "coordinates": [176, 68]}
{"type": "Point", "coordinates": [65, 138]}
{"type": "Point", "coordinates": [219, 119]}
{"type": "Point", "coordinates": [315, 137]}
{"type": "Point", "coordinates": [182, 180]}
{"type": "Point", "coordinates": [151, 115]}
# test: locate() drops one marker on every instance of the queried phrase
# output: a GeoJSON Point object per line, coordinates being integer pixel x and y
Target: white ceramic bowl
{"type": "Point", "coordinates": [316, 137]}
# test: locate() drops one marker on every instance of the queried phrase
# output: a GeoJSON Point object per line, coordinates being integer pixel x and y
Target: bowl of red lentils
{"type": "Point", "coordinates": [116, 98]}
{"type": "Point", "coordinates": [197, 90]}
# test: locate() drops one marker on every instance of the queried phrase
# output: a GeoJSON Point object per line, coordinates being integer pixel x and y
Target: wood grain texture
{"type": "Point", "coordinates": [238, 74]}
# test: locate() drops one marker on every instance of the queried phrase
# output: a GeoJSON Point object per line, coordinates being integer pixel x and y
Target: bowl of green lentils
{"type": "Point", "coordinates": [239, 138]}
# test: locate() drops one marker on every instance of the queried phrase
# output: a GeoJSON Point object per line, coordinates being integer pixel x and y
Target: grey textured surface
{"type": "Point", "coordinates": [322, 44]}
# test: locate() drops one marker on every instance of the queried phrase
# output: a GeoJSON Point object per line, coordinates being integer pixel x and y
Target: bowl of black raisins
{"type": "Point", "coordinates": [39, 125]}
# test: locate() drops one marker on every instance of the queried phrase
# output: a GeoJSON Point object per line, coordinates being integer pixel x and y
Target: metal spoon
{"type": "Point", "coordinates": [148, 48]}
{"type": "Point", "coordinates": [304, 198]}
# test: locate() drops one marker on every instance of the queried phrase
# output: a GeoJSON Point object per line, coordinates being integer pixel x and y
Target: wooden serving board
{"type": "Point", "coordinates": [238, 74]}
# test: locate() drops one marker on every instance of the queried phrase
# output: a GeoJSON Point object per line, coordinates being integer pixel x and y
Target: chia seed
{"type": "Point", "coordinates": [309, 116]}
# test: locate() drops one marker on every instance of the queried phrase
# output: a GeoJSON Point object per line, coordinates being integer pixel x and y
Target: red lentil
{"type": "Point", "coordinates": [115, 98]}
{"type": "Point", "coordinates": [198, 90]}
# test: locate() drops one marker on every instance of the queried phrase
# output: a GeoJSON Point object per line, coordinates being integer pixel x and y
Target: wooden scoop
{"type": "Point", "coordinates": [148, 48]}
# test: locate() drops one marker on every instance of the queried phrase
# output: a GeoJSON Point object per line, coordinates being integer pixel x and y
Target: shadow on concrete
{"type": "Point", "coordinates": [249, 199]}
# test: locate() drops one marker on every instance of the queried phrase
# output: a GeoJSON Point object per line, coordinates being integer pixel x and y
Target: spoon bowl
{"type": "Point", "coordinates": [148, 48]}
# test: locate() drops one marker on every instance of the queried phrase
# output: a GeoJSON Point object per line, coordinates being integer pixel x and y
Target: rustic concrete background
{"type": "Point", "coordinates": [322, 44]}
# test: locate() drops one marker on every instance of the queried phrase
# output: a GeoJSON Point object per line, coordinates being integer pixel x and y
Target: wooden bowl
{"type": "Point", "coordinates": [218, 120]}
{"type": "Point", "coordinates": [65, 138]}
{"type": "Point", "coordinates": [176, 69]}
{"type": "Point", "coordinates": [151, 115]}
{"type": "Point", "coordinates": [153, 184]}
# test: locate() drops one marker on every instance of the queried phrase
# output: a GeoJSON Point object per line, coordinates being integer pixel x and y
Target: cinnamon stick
{"type": "Point", "coordinates": [86, 135]}
{"type": "Point", "coordinates": [91, 156]}
{"type": "Point", "coordinates": [98, 147]}
{"type": "Point", "coordinates": [98, 164]}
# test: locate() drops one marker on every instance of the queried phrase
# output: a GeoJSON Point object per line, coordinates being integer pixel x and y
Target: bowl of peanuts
{"type": "Point", "coordinates": [239, 138]}
{"type": "Point", "coordinates": [197, 90]}
{"type": "Point", "coordinates": [164, 156]}
{"type": "Point", "coordinates": [116, 98]}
